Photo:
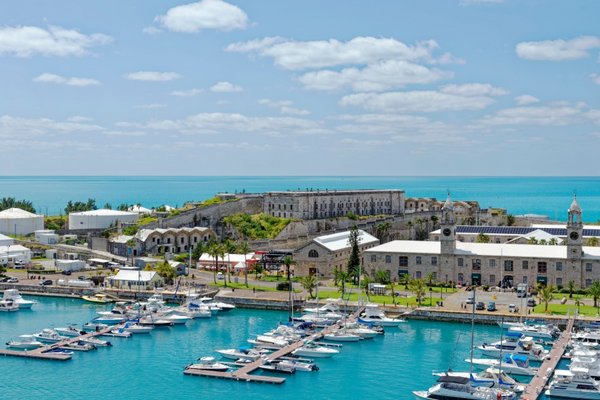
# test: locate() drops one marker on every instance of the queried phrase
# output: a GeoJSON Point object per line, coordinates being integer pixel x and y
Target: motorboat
{"type": "Point", "coordinates": [97, 298]}
{"type": "Point", "coordinates": [78, 346]}
{"type": "Point", "coordinates": [282, 368]}
{"type": "Point", "coordinates": [110, 319]}
{"type": "Point", "coordinates": [341, 336]}
{"type": "Point", "coordinates": [511, 364]}
{"type": "Point", "coordinates": [224, 306]}
{"type": "Point", "coordinates": [48, 335]}
{"type": "Point", "coordinates": [208, 364]}
{"type": "Point", "coordinates": [491, 377]}
{"type": "Point", "coordinates": [456, 387]}
{"type": "Point", "coordinates": [156, 299]}
{"type": "Point", "coordinates": [151, 321]}
{"type": "Point", "coordinates": [318, 320]}
{"type": "Point", "coordinates": [118, 332]}
{"type": "Point", "coordinates": [96, 342]}
{"type": "Point", "coordinates": [208, 302]}
{"type": "Point", "coordinates": [136, 328]}
{"type": "Point", "coordinates": [298, 365]}
{"type": "Point", "coordinates": [363, 331]}
{"type": "Point", "coordinates": [573, 384]}
{"type": "Point", "coordinates": [15, 296]}
{"type": "Point", "coordinates": [515, 343]}
{"type": "Point", "coordinates": [547, 332]}
{"type": "Point", "coordinates": [94, 326]}
{"type": "Point", "coordinates": [25, 342]}
{"type": "Point", "coordinates": [243, 353]}
{"type": "Point", "coordinates": [194, 310]}
{"type": "Point", "coordinates": [277, 341]}
{"type": "Point", "coordinates": [332, 306]}
{"type": "Point", "coordinates": [587, 338]}
{"type": "Point", "coordinates": [374, 315]}
{"type": "Point", "coordinates": [312, 350]}
{"type": "Point", "coordinates": [8, 305]}
{"type": "Point", "coordinates": [69, 331]}
{"type": "Point", "coordinates": [175, 317]}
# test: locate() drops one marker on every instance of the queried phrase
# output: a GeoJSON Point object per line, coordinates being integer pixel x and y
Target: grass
{"type": "Point", "coordinates": [257, 226]}
{"type": "Point", "coordinates": [410, 301]}
{"type": "Point", "coordinates": [240, 285]}
{"type": "Point", "coordinates": [564, 309]}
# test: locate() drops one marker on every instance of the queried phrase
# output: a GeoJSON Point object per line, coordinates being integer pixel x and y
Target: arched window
{"type": "Point", "coordinates": [313, 254]}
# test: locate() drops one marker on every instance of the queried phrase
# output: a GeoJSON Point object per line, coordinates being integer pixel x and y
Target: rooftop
{"type": "Point", "coordinates": [339, 241]}
{"type": "Point", "coordinates": [554, 230]}
{"type": "Point", "coordinates": [104, 212]}
{"type": "Point", "coordinates": [129, 275]}
{"type": "Point", "coordinates": [17, 213]}
{"type": "Point", "coordinates": [328, 192]}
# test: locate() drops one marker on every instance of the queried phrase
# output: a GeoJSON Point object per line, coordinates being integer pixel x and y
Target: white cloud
{"type": "Point", "coordinates": [284, 107]}
{"type": "Point", "coordinates": [205, 14]}
{"type": "Point", "coordinates": [471, 2]}
{"type": "Point", "coordinates": [187, 93]}
{"type": "Point", "coordinates": [214, 123]}
{"type": "Point", "coordinates": [526, 99]}
{"type": "Point", "coordinates": [594, 116]}
{"type": "Point", "coordinates": [25, 41]}
{"type": "Point", "coordinates": [296, 55]}
{"type": "Point", "coordinates": [151, 30]}
{"type": "Point", "coordinates": [153, 76]}
{"type": "Point", "coordinates": [553, 115]}
{"type": "Point", "coordinates": [225, 87]}
{"type": "Point", "coordinates": [380, 76]}
{"type": "Point", "coordinates": [125, 133]}
{"type": "Point", "coordinates": [473, 89]}
{"type": "Point", "coordinates": [415, 101]}
{"type": "Point", "coordinates": [61, 80]}
{"type": "Point", "coordinates": [78, 118]}
{"type": "Point", "coordinates": [151, 106]}
{"type": "Point", "coordinates": [20, 128]}
{"type": "Point", "coordinates": [558, 50]}
{"type": "Point", "coordinates": [595, 78]}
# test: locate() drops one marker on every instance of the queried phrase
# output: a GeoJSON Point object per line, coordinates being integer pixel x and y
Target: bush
{"type": "Point", "coordinates": [258, 226]}
{"type": "Point", "coordinates": [283, 286]}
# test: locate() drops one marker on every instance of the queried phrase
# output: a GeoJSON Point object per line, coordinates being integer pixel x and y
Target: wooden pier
{"type": "Point", "coordinates": [244, 373]}
{"type": "Point", "coordinates": [535, 388]}
{"type": "Point", "coordinates": [47, 353]}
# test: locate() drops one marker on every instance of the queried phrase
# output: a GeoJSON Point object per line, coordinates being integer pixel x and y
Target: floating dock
{"type": "Point", "coordinates": [535, 388]}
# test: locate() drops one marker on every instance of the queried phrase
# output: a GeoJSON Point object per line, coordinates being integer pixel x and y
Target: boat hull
{"type": "Point", "coordinates": [565, 394]}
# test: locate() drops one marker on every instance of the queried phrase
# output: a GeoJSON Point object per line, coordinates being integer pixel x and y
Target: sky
{"type": "Point", "coordinates": [310, 87]}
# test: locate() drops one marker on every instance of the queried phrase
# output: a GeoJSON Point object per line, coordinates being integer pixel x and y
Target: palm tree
{"type": "Point", "coordinates": [553, 242]}
{"type": "Point", "coordinates": [245, 249]}
{"type": "Point", "coordinates": [593, 241]}
{"type": "Point", "coordinates": [482, 238]}
{"type": "Point", "coordinates": [309, 283]}
{"type": "Point", "coordinates": [215, 250]}
{"type": "Point", "coordinates": [543, 242]}
{"type": "Point", "coordinates": [594, 291]}
{"type": "Point", "coordinates": [545, 296]}
{"type": "Point", "coordinates": [289, 261]}
{"type": "Point", "coordinates": [417, 286]}
{"type": "Point", "coordinates": [365, 282]}
{"type": "Point", "coordinates": [342, 278]}
{"type": "Point", "coordinates": [532, 240]}
{"type": "Point", "coordinates": [578, 303]}
{"type": "Point", "coordinates": [382, 277]}
{"type": "Point", "coordinates": [430, 277]}
{"type": "Point", "coordinates": [230, 247]}
{"type": "Point", "coordinates": [571, 287]}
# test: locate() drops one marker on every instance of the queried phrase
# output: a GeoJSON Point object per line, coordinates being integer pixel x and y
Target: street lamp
{"type": "Point", "coordinates": [430, 300]}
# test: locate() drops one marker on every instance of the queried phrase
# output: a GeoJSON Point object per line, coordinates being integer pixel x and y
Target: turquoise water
{"type": "Point", "coordinates": [150, 366]}
{"type": "Point", "coordinates": [539, 195]}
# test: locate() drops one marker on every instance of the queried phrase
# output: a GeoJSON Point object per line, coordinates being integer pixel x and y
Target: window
{"type": "Point", "coordinates": [153, 240]}
{"type": "Point", "coordinates": [525, 264]}
{"type": "Point", "coordinates": [558, 267]}
{"type": "Point", "coordinates": [492, 279]}
{"type": "Point", "coordinates": [588, 267]}
{"type": "Point", "coordinates": [418, 275]}
{"type": "Point", "coordinates": [542, 267]}
{"type": "Point", "coordinates": [461, 277]}
{"type": "Point", "coordinates": [182, 240]}
{"type": "Point", "coordinates": [524, 279]}
{"type": "Point", "coordinates": [433, 260]}
{"type": "Point", "coordinates": [195, 239]}
{"type": "Point", "coordinates": [588, 283]}
{"type": "Point", "coordinates": [313, 254]}
{"type": "Point", "coordinates": [418, 260]}
{"type": "Point", "coordinates": [476, 264]}
{"type": "Point", "coordinates": [508, 265]}
{"type": "Point", "coordinates": [461, 262]}
{"type": "Point", "coordinates": [558, 281]}
{"type": "Point", "coordinates": [403, 261]}
{"type": "Point", "coordinates": [492, 263]}
{"type": "Point", "coordinates": [388, 259]}
{"type": "Point", "coordinates": [168, 240]}
{"type": "Point", "coordinates": [373, 258]}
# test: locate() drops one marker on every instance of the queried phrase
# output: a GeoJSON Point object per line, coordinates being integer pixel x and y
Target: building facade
{"type": "Point", "coordinates": [449, 260]}
{"type": "Point", "coordinates": [171, 240]}
{"type": "Point", "coordinates": [319, 204]}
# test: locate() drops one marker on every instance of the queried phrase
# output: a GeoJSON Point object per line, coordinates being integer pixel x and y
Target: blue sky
{"type": "Point", "coordinates": [256, 87]}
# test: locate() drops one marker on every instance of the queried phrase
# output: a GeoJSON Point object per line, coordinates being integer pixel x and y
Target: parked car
{"type": "Point", "coordinates": [531, 303]}
{"type": "Point", "coordinates": [512, 308]}
{"type": "Point", "coordinates": [480, 305]}
{"type": "Point", "coordinates": [46, 282]}
{"type": "Point", "coordinates": [470, 299]}
{"type": "Point", "coordinates": [12, 280]}
{"type": "Point", "coordinates": [491, 306]}
{"type": "Point", "coordinates": [66, 272]}
{"type": "Point", "coordinates": [220, 275]}
{"type": "Point", "coordinates": [4, 279]}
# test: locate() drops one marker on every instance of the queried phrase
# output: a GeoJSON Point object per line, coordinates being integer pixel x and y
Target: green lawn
{"type": "Point", "coordinates": [240, 285]}
{"type": "Point", "coordinates": [564, 309]}
{"type": "Point", "coordinates": [410, 301]}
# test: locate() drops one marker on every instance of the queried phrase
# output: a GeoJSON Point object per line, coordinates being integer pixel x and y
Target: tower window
{"type": "Point", "coordinates": [542, 267]}
{"type": "Point", "coordinates": [588, 267]}
{"type": "Point", "coordinates": [403, 261]}
{"type": "Point", "coordinates": [313, 254]}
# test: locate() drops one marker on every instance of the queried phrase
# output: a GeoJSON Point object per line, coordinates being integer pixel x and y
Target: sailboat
{"type": "Point", "coordinates": [459, 387]}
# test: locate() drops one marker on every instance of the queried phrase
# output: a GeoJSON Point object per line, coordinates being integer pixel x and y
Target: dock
{"type": "Point", "coordinates": [245, 373]}
{"type": "Point", "coordinates": [535, 388]}
{"type": "Point", "coordinates": [47, 353]}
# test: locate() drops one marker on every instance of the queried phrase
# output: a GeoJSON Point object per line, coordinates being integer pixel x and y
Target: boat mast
{"type": "Point", "coordinates": [472, 333]}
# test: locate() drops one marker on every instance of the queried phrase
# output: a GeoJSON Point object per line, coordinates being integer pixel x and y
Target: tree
{"type": "Point", "coordinates": [578, 303]}
{"type": "Point", "coordinates": [382, 277]}
{"type": "Point", "coordinates": [244, 248]}
{"type": "Point", "coordinates": [79, 206]}
{"type": "Point", "coordinates": [594, 291]}
{"type": "Point", "coordinates": [215, 250]}
{"type": "Point", "coordinates": [482, 238]}
{"type": "Point", "coordinates": [354, 260]}
{"type": "Point", "coordinates": [532, 240]}
{"type": "Point", "coordinates": [343, 276]}
{"type": "Point", "coordinates": [510, 220]}
{"type": "Point", "coordinates": [553, 242]}
{"type": "Point", "coordinates": [430, 276]}
{"type": "Point", "coordinates": [199, 249]}
{"type": "Point", "coordinates": [309, 283]}
{"type": "Point", "coordinates": [543, 242]}
{"type": "Point", "coordinates": [288, 261]}
{"type": "Point", "coordinates": [545, 296]}
{"type": "Point", "coordinates": [364, 283]}
{"type": "Point", "coordinates": [417, 286]}
{"type": "Point", "coordinates": [107, 206]}
{"type": "Point", "coordinates": [165, 270]}
{"type": "Point", "coordinates": [382, 231]}
{"type": "Point", "coordinates": [571, 287]}
{"type": "Point", "coordinates": [593, 241]}
{"type": "Point", "coordinates": [230, 247]}
{"type": "Point", "coordinates": [404, 279]}
{"type": "Point", "coordinates": [11, 202]}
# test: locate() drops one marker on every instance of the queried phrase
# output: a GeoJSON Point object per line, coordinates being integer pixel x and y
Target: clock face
{"type": "Point", "coordinates": [447, 232]}
{"type": "Point", "coordinates": [574, 235]}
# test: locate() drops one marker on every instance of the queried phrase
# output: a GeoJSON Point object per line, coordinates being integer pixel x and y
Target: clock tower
{"type": "Point", "coordinates": [574, 232]}
{"type": "Point", "coordinates": [448, 228]}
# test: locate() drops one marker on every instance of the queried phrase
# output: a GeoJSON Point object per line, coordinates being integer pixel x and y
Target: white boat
{"type": "Point", "coordinates": [573, 384]}
{"type": "Point", "coordinates": [151, 321]}
{"type": "Point", "coordinates": [135, 328]}
{"type": "Point", "coordinates": [176, 319]}
{"type": "Point", "coordinates": [208, 302]}
{"type": "Point", "coordinates": [282, 368]}
{"type": "Point", "coordinates": [25, 342]}
{"type": "Point", "coordinates": [8, 305]}
{"type": "Point", "coordinates": [332, 306]}
{"type": "Point", "coordinates": [69, 331]}
{"type": "Point", "coordinates": [536, 331]}
{"type": "Point", "coordinates": [49, 336]}
{"type": "Point", "coordinates": [374, 315]}
{"type": "Point", "coordinates": [277, 341]}
{"type": "Point", "coordinates": [224, 306]}
{"type": "Point", "coordinates": [451, 387]}
{"type": "Point", "coordinates": [112, 319]}
{"type": "Point", "coordinates": [312, 350]}
{"type": "Point", "coordinates": [587, 338]}
{"type": "Point", "coordinates": [245, 354]}
{"type": "Point", "coordinates": [298, 365]}
{"type": "Point", "coordinates": [208, 364]}
{"type": "Point", "coordinates": [15, 296]}
{"type": "Point", "coordinates": [78, 346]}
{"type": "Point", "coordinates": [194, 310]}
{"type": "Point", "coordinates": [94, 326]}
{"type": "Point", "coordinates": [491, 377]}
{"type": "Point", "coordinates": [515, 343]}
{"type": "Point", "coordinates": [341, 336]}
{"type": "Point", "coordinates": [511, 364]}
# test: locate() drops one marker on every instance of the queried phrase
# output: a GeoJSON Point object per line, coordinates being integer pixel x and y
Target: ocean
{"type": "Point", "coordinates": [549, 196]}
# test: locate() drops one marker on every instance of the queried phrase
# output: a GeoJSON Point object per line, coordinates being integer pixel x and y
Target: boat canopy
{"type": "Point", "coordinates": [512, 334]}
{"type": "Point", "coordinates": [453, 379]}
{"type": "Point", "coordinates": [517, 358]}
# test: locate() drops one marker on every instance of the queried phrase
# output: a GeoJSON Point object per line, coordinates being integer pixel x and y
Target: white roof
{"type": "Point", "coordinates": [15, 248]}
{"type": "Point", "coordinates": [98, 260]}
{"type": "Point", "coordinates": [17, 213]}
{"type": "Point", "coordinates": [540, 234]}
{"type": "Point", "coordinates": [139, 209]}
{"type": "Point", "coordinates": [482, 249]}
{"type": "Point", "coordinates": [231, 258]}
{"type": "Point", "coordinates": [143, 234]}
{"type": "Point", "coordinates": [121, 239]}
{"type": "Point", "coordinates": [138, 276]}
{"type": "Point", "coordinates": [339, 241]}
{"type": "Point", "coordinates": [104, 212]}
{"type": "Point", "coordinates": [4, 237]}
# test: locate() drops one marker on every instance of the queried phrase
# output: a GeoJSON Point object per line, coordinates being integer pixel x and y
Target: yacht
{"type": "Point", "coordinates": [455, 387]}
{"type": "Point", "coordinates": [135, 328]}
{"type": "Point", "coordinates": [573, 384]}
{"type": "Point", "coordinates": [311, 350]}
{"type": "Point", "coordinates": [49, 336]}
{"type": "Point", "coordinates": [94, 326]}
{"type": "Point", "coordinates": [224, 306]}
{"type": "Point", "coordinates": [112, 319]}
{"type": "Point", "coordinates": [515, 343]}
{"type": "Point", "coordinates": [69, 331]}
{"type": "Point", "coordinates": [208, 364]}
{"type": "Point", "coordinates": [374, 315]}
{"type": "Point", "coordinates": [491, 377]}
{"type": "Point", "coordinates": [548, 332]}
{"type": "Point", "coordinates": [244, 354]}
{"type": "Point", "coordinates": [341, 336]}
{"type": "Point", "coordinates": [511, 364]}
{"type": "Point", "coordinates": [332, 306]}
{"type": "Point", "coordinates": [587, 338]}
{"type": "Point", "coordinates": [97, 298]}
{"type": "Point", "coordinates": [15, 296]}
{"type": "Point", "coordinates": [8, 305]}
{"type": "Point", "coordinates": [25, 342]}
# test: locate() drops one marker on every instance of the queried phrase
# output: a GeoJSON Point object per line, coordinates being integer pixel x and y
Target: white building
{"type": "Point", "coordinates": [6, 241]}
{"type": "Point", "coordinates": [14, 253]}
{"type": "Point", "coordinates": [127, 279]}
{"type": "Point", "coordinates": [69, 265]}
{"type": "Point", "coordinates": [100, 219]}
{"type": "Point", "coordinates": [139, 209]}
{"type": "Point", "coordinates": [15, 221]}
{"type": "Point", "coordinates": [46, 236]}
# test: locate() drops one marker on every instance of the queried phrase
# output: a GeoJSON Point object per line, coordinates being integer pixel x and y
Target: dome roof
{"type": "Point", "coordinates": [575, 206]}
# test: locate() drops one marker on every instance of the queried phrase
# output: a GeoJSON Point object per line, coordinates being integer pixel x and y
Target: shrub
{"type": "Point", "coordinates": [283, 286]}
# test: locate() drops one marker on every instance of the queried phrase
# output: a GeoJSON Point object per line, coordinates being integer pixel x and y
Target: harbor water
{"type": "Point", "coordinates": [151, 366]}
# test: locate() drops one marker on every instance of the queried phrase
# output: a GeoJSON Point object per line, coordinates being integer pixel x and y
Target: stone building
{"type": "Point", "coordinates": [330, 252]}
{"type": "Point", "coordinates": [320, 204]}
{"type": "Point", "coordinates": [490, 263]}
{"type": "Point", "coordinates": [159, 240]}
